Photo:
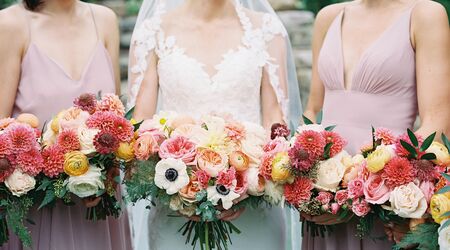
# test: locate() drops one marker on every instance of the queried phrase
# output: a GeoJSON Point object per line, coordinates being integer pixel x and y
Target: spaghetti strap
{"type": "Point", "coordinates": [93, 19]}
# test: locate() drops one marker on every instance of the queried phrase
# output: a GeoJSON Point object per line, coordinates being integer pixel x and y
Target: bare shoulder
{"type": "Point", "coordinates": [13, 23]}
{"type": "Point", "coordinates": [326, 16]}
{"type": "Point", "coordinates": [104, 15]}
{"type": "Point", "coordinates": [428, 12]}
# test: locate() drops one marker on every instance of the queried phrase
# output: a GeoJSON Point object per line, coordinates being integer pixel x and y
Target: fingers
{"type": "Point", "coordinates": [91, 201]}
{"type": "Point", "coordinates": [230, 215]}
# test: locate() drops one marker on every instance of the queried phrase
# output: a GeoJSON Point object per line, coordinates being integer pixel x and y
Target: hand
{"type": "Point", "coordinates": [91, 201]}
{"type": "Point", "coordinates": [226, 215]}
{"type": "Point", "coordinates": [395, 232]}
{"type": "Point", "coordinates": [326, 219]}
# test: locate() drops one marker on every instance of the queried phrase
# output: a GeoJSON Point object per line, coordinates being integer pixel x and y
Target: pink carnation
{"type": "Point", "coordinates": [21, 137]}
{"type": "Point", "coordinates": [312, 142]}
{"type": "Point", "coordinates": [360, 207]}
{"type": "Point", "coordinates": [355, 188]}
{"type": "Point", "coordinates": [53, 161]}
{"type": "Point", "coordinates": [68, 140]}
{"type": "Point", "coordinates": [338, 143]}
{"type": "Point", "coordinates": [227, 178]}
{"type": "Point", "coordinates": [341, 197]}
{"type": "Point", "coordinates": [385, 135]}
{"type": "Point", "coordinates": [299, 191]}
{"type": "Point", "coordinates": [398, 171]}
{"type": "Point", "coordinates": [324, 197]}
{"type": "Point", "coordinates": [178, 147]}
{"type": "Point", "coordinates": [203, 178]}
{"type": "Point", "coordinates": [30, 162]}
{"type": "Point", "coordinates": [111, 102]}
{"type": "Point", "coordinates": [86, 102]}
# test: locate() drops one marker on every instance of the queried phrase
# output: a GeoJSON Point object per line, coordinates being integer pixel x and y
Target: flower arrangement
{"type": "Point", "coordinates": [20, 162]}
{"type": "Point", "coordinates": [199, 168]}
{"type": "Point", "coordinates": [310, 169]}
{"type": "Point", "coordinates": [83, 147]}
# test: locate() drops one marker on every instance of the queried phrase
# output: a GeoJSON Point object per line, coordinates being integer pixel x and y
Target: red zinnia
{"type": "Point", "coordinates": [105, 142]}
{"type": "Point", "coordinates": [398, 171]}
{"type": "Point", "coordinates": [53, 161]}
{"type": "Point", "coordinates": [313, 142]}
{"type": "Point", "coordinates": [298, 191]}
{"type": "Point", "coordinates": [30, 162]}
{"type": "Point", "coordinates": [68, 140]}
{"type": "Point", "coordinates": [338, 143]}
{"type": "Point", "coordinates": [86, 102]}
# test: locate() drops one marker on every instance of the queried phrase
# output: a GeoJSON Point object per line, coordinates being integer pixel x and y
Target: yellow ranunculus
{"type": "Point", "coordinates": [125, 151]}
{"type": "Point", "coordinates": [54, 124]}
{"type": "Point", "coordinates": [280, 168]}
{"type": "Point", "coordinates": [441, 152]}
{"type": "Point", "coordinates": [75, 163]}
{"type": "Point", "coordinates": [378, 159]}
{"type": "Point", "coordinates": [440, 204]}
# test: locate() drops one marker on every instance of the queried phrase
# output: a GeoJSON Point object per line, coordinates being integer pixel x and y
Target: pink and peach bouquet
{"type": "Point", "coordinates": [20, 162]}
{"type": "Point", "coordinates": [83, 147]}
{"type": "Point", "coordinates": [199, 168]}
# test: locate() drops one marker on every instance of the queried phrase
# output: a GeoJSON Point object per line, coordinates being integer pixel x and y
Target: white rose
{"type": "Point", "coordinates": [87, 184]}
{"type": "Point", "coordinates": [19, 183]}
{"type": "Point", "coordinates": [255, 182]}
{"type": "Point", "coordinates": [330, 174]}
{"type": "Point", "coordinates": [408, 201]}
{"type": "Point", "coordinates": [444, 236]}
{"type": "Point", "coordinates": [273, 193]}
{"type": "Point", "coordinates": [86, 138]}
{"type": "Point", "coordinates": [314, 127]}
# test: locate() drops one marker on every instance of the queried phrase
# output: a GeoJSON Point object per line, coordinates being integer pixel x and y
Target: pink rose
{"type": "Point", "coordinates": [335, 208]}
{"type": "Point", "coordinates": [360, 207]}
{"type": "Point", "coordinates": [178, 147]}
{"type": "Point", "coordinates": [145, 146]}
{"type": "Point", "coordinates": [427, 188]}
{"type": "Point", "coordinates": [211, 161]}
{"type": "Point", "coordinates": [375, 191]}
{"type": "Point", "coordinates": [341, 197]}
{"type": "Point", "coordinates": [355, 188]}
{"type": "Point", "coordinates": [72, 118]}
{"type": "Point", "coordinates": [324, 197]}
{"type": "Point", "coordinates": [277, 145]}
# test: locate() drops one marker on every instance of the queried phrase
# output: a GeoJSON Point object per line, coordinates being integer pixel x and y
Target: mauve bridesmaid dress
{"type": "Point", "coordinates": [44, 90]}
{"type": "Point", "coordinates": [382, 94]}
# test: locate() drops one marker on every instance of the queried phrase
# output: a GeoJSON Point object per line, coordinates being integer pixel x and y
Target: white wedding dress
{"type": "Point", "coordinates": [235, 88]}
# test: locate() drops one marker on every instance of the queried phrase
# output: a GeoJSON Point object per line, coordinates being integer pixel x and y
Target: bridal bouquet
{"type": "Point", "coordinates": [20, 162]}
{"type": "Point", "coordinates": [198, 169]}
{"type": "Point", "coordinates": [397, 181]}
{"type": "Point", "coordinates": [311, 170]}
{"type": "Point", "coordinates": [83, 147]}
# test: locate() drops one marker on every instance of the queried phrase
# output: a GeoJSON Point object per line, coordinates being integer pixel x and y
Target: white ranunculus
{"type": "Point", "coordinates": [408, 201]}
{"type": "Point", "coordinates": [330, 173]}
{"type": "Point", "coordinates": [87, 184]}
{"type": "Point", "coordinates": [256, 182]}
{"type": "Point", "coordinates": [314, 127]}
{"type": "Point", "coordinates": [220, 192]}
{"type": "Point", "coordinates": [171, 175]}
{"type": "Point", "coordinates": [19, 183]}
{"type": "Point", "coordinates": [273, 193]}
{"type": "Point", "coordinates": [86, 138]}
{"type": "Point", "coordinates": [444, 236]}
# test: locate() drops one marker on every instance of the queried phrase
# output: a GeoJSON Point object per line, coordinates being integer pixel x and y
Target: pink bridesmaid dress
{"type": "Point", "coordinates": [44, 90]}
{"type": "Point", "coordinates": [382, 94]}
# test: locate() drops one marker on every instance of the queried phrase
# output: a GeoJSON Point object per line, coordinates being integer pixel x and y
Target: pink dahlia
{"type": "Point", "coordinates": [22, 138]}
{"type": "Point", "coordinates": [425, 170]}
{"type": "Point", "coordinates": [279, 130]}
{"type": "Point", "coordinates": [178, 147]}
{"type": "Point", "coordinates": [398, 171]}
{"type": "Point", "coordinates": [106, 142]}
{"type": "Point", "coordinates": [122, 129]}
{"type": "Point", "coordinates": [300, 158]}
{"type": "Point", "coordinates": [298, 191]}
{"type": "Point", "coordinates": [385, 135]}
{"type": "Point", "coordinates": [101, 120]}
{"type": "Point", "coordinates": [5, 145]}
{"type": "Point", "coordinates": [227, 178]}
{"type": "Point", "coordinates": [86, 102]}
{"type": "Point", "coordinates": [30, 162]}
{"type": "Point", "coordinates": [111, 102]}
{"type": "Point", "coordinates": [203, 178]}
{"type": "Point", "coordinates": [338, 143]}
{"type": "Point", "coordinates": [68, 140]}
{"type": "Point", "coordinates": [6, 169]}
{"type": "Point", "coordinates": [400, 150]}
{"type": "Point", "coordinates": [324, 197]}
{"type": "Point", "coordinates": [313, 142]}
{"type": "Point", "coordinates": [53, 157]}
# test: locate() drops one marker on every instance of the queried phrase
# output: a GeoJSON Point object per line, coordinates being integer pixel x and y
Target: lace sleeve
{"type": "Point", "coordinates": [143, 43]}
{"type": "Point", "coordinates": [275, 37]}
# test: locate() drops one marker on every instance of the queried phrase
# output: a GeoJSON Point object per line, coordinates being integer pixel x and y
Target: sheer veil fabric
{"type": "Point", "coordinates": [266, 47]}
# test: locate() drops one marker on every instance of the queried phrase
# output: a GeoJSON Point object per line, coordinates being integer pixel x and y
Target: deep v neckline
{"type": "Point", "coordinates": [366, 51]}
{"type": "Point", "coordinates": [62, 69]}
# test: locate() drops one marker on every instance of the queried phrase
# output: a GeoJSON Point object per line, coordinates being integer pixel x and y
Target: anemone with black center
{"type": "Point", "coordinates": [171, 174]}
{"type": "Point", "coordinates": [221, 189]}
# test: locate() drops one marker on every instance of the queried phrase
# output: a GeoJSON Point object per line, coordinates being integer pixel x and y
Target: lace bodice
{"type": "Point", "coordinates": [186, 87]}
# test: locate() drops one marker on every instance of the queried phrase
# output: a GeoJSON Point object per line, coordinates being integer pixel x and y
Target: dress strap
{"type": "Point", "coordinates": [93, 20]}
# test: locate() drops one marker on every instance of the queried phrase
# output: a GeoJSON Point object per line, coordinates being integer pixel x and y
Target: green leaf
{"type": "Point", "coordinates": [137, 125]}
{"type": "Point", "coordinates": [45, 183]}
{"type": "Point", "coordinates": [129, 114]}
{"type": "Point", "coordinates": [446, 214]}
{"type": "Point", "coordinates": [443, 190]}
{"type": "Point", "coordinates": [409, 148]}
{"type": "Point", "coordinates": [307, 121]}
{"type": "Point", "coordinates": [413, 138]}
{"type": "Point", "coordinates": [428, 156]}
{"type": "Point", "coordinates": [445, 141]}
{"type": "Point", "coordinates": [330, 128]}
{"type": "Point", "coordinates": [427, 142]}
{"type": "Point", "coordinates": [49, 198]}
{"type": "Point", "coordinates": [327, 149]}
{"type": "Point", "coordinates": [446, 176]}
{"type": "Point", "coordinates": [425, 235]}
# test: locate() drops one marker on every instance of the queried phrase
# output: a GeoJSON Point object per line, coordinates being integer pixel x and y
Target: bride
{"type": "Point", "coordinates": [222, 56]}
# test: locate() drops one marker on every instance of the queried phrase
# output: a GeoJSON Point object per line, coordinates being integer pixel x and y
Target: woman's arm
{"type": "Point", "coordinates": [13, 40]}
{"type": "Point", "coordinates": [323, 21]}
{"type": "Point", "coordinates": [431, 38]}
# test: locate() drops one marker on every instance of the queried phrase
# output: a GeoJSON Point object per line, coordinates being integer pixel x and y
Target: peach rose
{"type": "Point", "coordinates": [145, 146]}
{"type": "Point", "coordinates": [189, 192]}
{"type": "Point", "coordinates": [211, 161]}
{"type": "Point", "coordinates": [181, 121]}
{"type": "Point", "coordinates": [72, 118]}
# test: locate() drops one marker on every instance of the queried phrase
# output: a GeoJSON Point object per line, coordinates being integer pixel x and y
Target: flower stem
{"type": "Point", "coordinates": [207, 236]}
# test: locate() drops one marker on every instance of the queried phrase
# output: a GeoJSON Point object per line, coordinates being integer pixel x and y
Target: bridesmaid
{"type": "Point", "coordinates": [380, 63]}
{"type": "Point", "coordinates": [52, 51]}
